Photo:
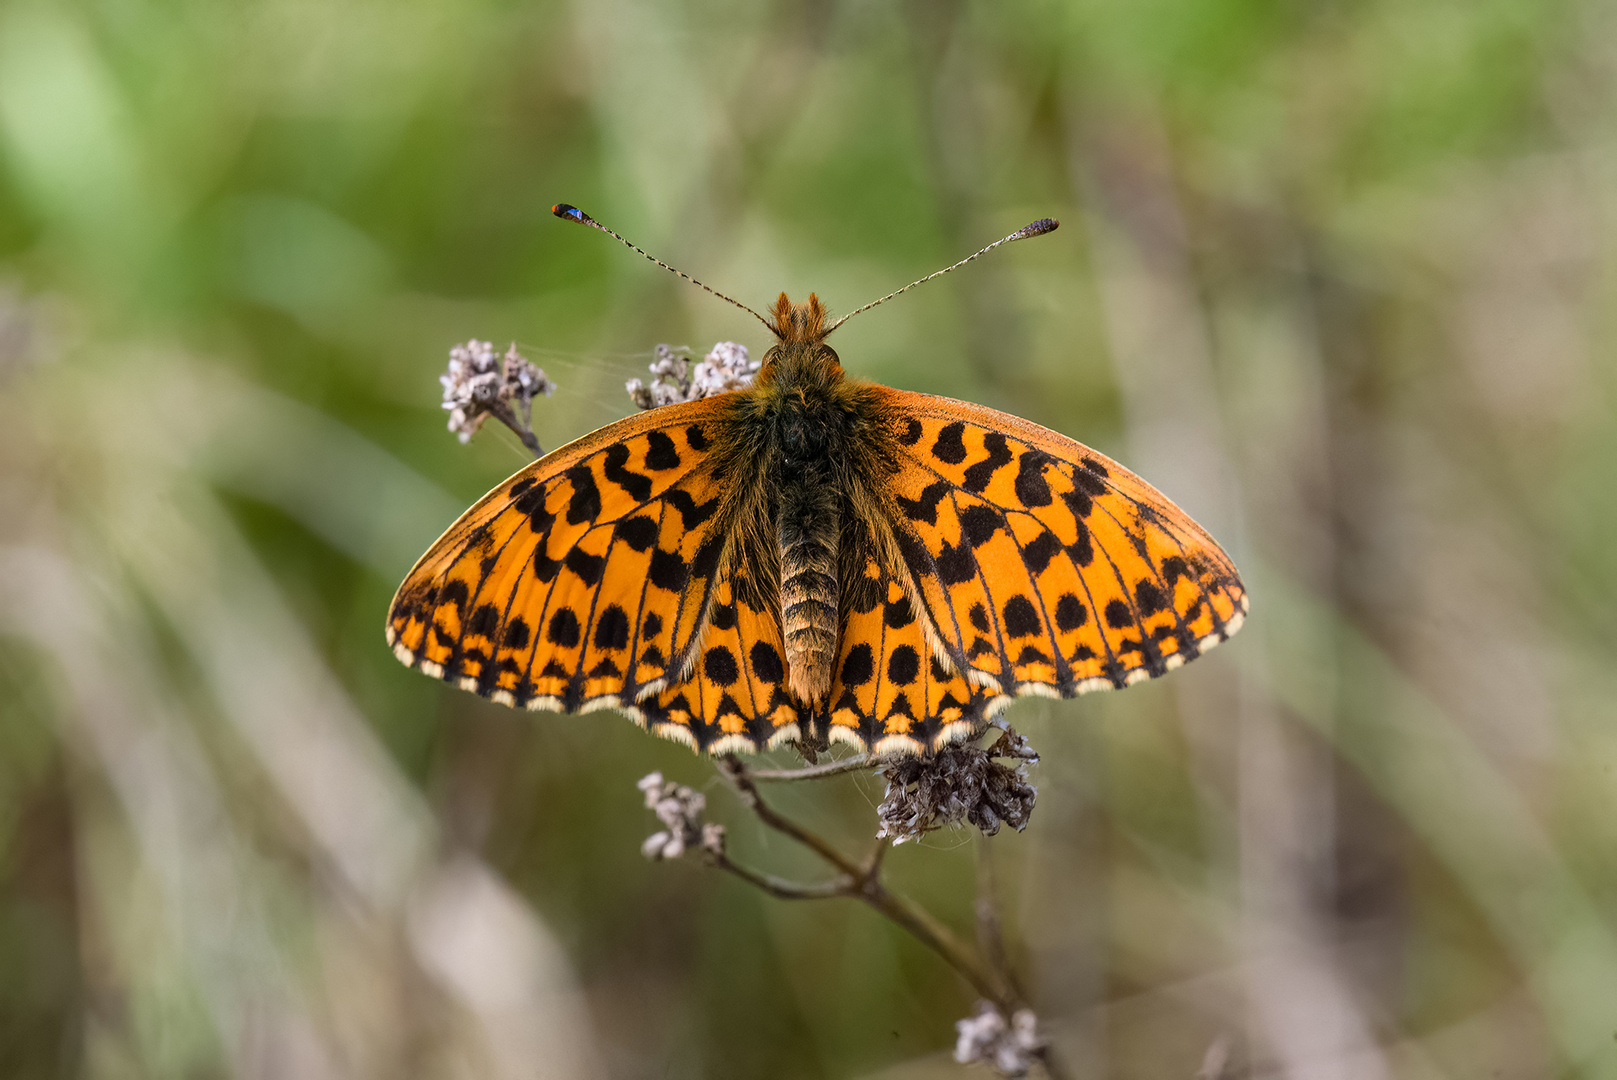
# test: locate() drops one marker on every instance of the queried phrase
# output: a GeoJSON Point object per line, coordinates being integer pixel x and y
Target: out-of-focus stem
{"type": "Point", "coordinates": [864, 883]}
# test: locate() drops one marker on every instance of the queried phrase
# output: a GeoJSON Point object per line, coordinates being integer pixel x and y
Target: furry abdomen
{"type": "Point", "coordinates": [808, 529]}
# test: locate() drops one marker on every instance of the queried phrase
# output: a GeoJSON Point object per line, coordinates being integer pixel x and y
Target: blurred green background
{"type": "Point", "coordinates": [1338, 277]}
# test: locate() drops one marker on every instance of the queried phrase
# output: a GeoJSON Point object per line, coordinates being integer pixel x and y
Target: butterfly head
{"type": "Point", "coordinates": [799, 324]}
{"type": "Point", "coordinates": [800, 331]}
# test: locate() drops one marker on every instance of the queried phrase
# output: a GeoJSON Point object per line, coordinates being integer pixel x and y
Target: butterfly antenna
{"type": "Point", "coordinates": [573, 213]}
{"type": "Point", "coordinates": [1036, 228]}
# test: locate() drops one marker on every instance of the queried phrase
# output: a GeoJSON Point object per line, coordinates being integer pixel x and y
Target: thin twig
{"type": "Point", "coordinates": [991, 940]}
{"type": "Point", "coordinates": [873, 864]}
{"type": "Point", "coordinates": [741, 778]}
{"type": "Point", "coordinates": [507, 416]}
{"type": "Point", "coordinates": [815, 772]}
{"type": "Point", "coordinates": [990, 936]}
{"type": "Point", "coordinates": [780, 887]}
{"type": "Point", "coordinates": [864, 883]}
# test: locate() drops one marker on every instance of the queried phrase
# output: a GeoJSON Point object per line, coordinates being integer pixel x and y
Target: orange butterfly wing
{"type": "Point", "coordinates": [1045, 567]}
{"type": "Point", "coordinates": [890, 693]}
{"type": "Point", "coordinates": [586, 581]}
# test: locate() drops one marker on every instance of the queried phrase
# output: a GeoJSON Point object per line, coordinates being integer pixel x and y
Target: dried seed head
{"type": "Point", "coordinates": [726, 367]}
{"type": "Point", "coordinates": [679, 809]}
{"type": "Point", "coordinates": [478, 379]}
{"type": "Point", "coordinates": [960, 783]}
{"type": "Point", "coordinates": [1008, 1047]}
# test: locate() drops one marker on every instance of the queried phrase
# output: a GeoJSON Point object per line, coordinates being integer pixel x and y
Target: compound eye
{"type": "Point", "coordinates": [831, 354]}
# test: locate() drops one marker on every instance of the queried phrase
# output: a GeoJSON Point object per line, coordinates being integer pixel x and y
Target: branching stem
{"type": "Point", "coordinates": [864, 883]}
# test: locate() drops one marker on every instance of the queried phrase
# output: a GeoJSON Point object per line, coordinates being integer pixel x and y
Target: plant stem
{"type": "Point", "coordinates": [780, 887]}
{"type": "Point", "coordinates": [990, 937]}
{"type": "Point", "coordinates": [864, 883]}
{"type": "Point", "coordinates": [815, 772]}
{"type": "Point", "coordinates": [507, 416]}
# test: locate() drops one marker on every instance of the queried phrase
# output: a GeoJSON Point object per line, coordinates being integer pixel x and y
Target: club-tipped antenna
{"type": "Point", "coordinates": [573, 213]}
{"type": "Point", "coordinates": [1035, 228]}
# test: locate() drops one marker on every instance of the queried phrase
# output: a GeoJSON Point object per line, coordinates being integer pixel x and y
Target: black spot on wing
{"type": "Point", "coordinates": [691, 512]}
{"type": "Point", "coordinates": [979, 474]}
{"type": "Point", "coordinates": [516, 633]}
{"type": "Point", "coordinates": [1032, 490]}
{"type": "Point", "coordinates": [903, 665]}
{"type": "Point", "coordinates": [668, 571]}
{"type": "Point", "coordinates": [585, 504]}
{"type": "Point", "coordinates": [660, 452]}
{"type": "Point", "coordinates": [766, 663]}
{"type": "Point", "coordinates": [484, 621]}
{"type": "Point", "coordinates": [1118, 615]}
{"type": "Point", "coordinates": [544, 567]}
{"type": "Point", "coordinates": [1148, 598]}
{"type": "Point", "coordinates": [586, 566]}
{"type": "Point", "coordinates": [911, 433]}
{"type": "Point", "coordinates": [914, 553]}
{"type": "Point", "coordinates": [530, 500]}
{"type": "Point", "coordinates": [978, 523]}
{"type": "Point", "coordinates": [1038, 553]}
{"type": "Point", "coordinates": [898, 614]}
{"type": "Point", "coordinates": [1070, 613]}
{"type": "Point", "coordinates": [925, 507]}
{"type": "Point", "coordinates": [639, 532]}
{"type": "Point", "coordinates": [1091, 479]}
{"type": "Point", "coordinates": [858, 666]}
{"type": "Point", "coordinates": [1021, 618]}
{"type": "Point", "coordinates": [563, 629]}
{"type": "Point", "coordinates": [1032, 654]}
{"type": "Point", "coordinates": [696, 437]}
{"type": "Point", "coordinates": [719, 665]}
{"type": "Point", "coordinates": [637, 487]}
{"type": "Point", "coordinates": [950, 447]}
{"type": "Point", "coordinates": [978, 617]}
{"type": "Point", "coordinates": [706, 559]}
{"type": "Point", "coordinates": [612, 628]}
{"type": "Point", "coordinates": [1081, 550]}
{"type": "Point", "coordinates": [956, 565]}
{"type": "Point", "coordinates": [1079, 502]}
{"type": "Point", "coordinates": [723, 616]}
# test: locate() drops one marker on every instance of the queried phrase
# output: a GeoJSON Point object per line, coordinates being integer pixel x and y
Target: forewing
{"type": "Point", "coordinates": [1044, 566]}
{"type": "Point", "coordinates": [890, 693]}
{"type": "Point", "coordinates": [582, 581]}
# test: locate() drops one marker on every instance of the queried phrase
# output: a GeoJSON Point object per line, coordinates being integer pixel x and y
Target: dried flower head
{"type": "Point", "coordinates": [727, 366]}
{"type": "Point", "coordinates": [960, 783]}
{"type": "Point", "coordinates": [680, 810]}
{"type": "Point", "coordinates": [479, 383]}
{"type": "Point", "coordinates": [1010, 1048]}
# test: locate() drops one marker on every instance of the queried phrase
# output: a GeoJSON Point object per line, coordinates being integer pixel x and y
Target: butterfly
{"type": "Point", "coordinates": [814, 559]}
